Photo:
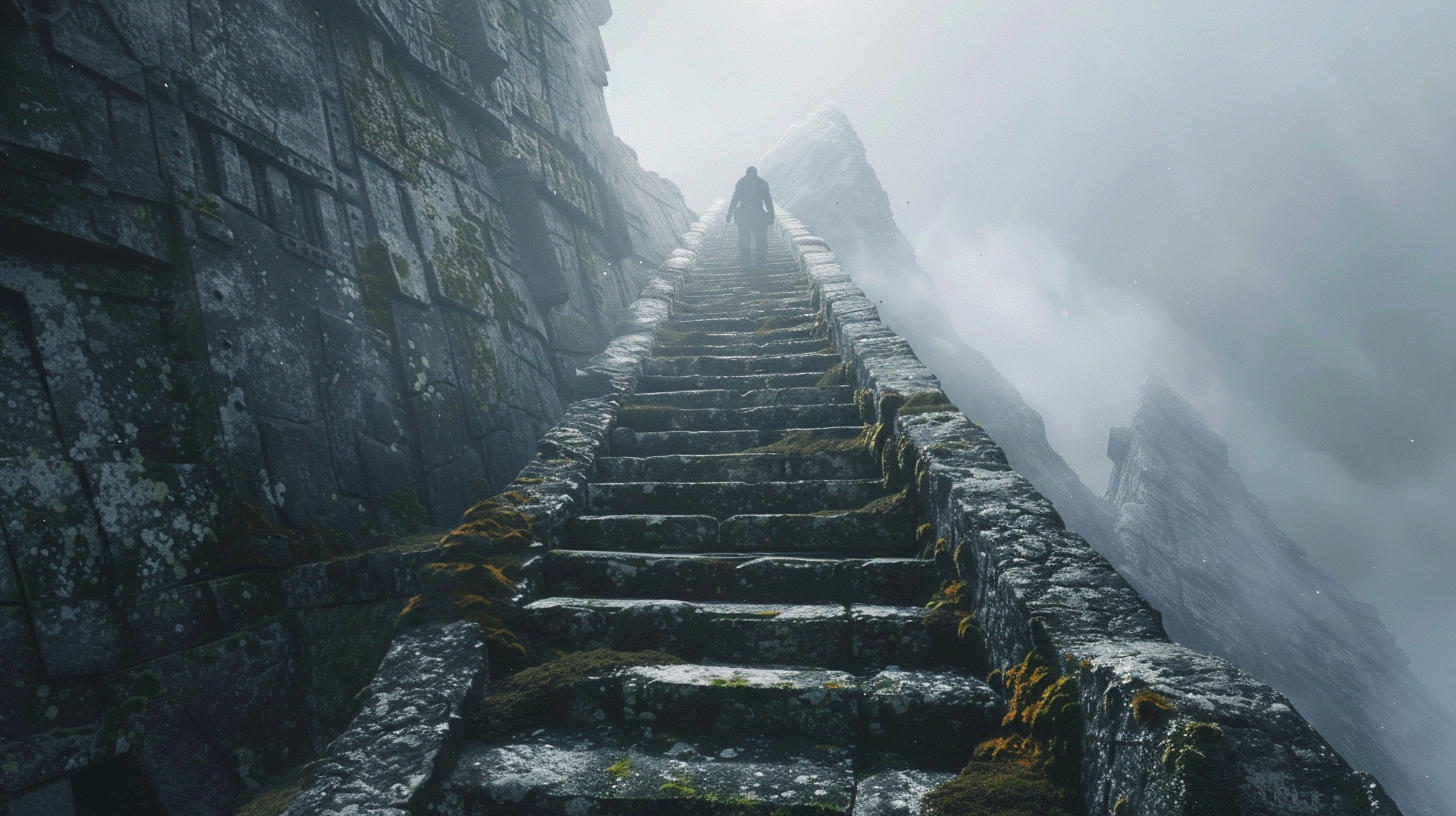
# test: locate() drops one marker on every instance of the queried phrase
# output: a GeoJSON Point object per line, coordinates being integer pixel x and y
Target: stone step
{"type": "Point", "coordinates": [728, 398]}
{"type": "Point", "coordinates": [858, 533]}
{"type": "Point", "coordinates": [650, 418]}
{"type": "Point", "coordinates": [731, 382]}
{"type": "Point", "coordinates": [628, 442]}
{"type": "Point", "coordinates": [744, 298]}
{"type": "Point", "coordinates": [757, 335]}
{"type": "Point", "coordinates": [747, 578]}
{"type": "Point", "coordinates": [747, 364]}
{"type": "Point", "coordinates": [908, 713]}
{"type": "Point", "coordinates": [846, 533]}
{"type": "Point", "coordinates": [749, 310]}
{"type": "Point", "coordinates": [724, 499]}
{"type": "Point", "coordinates": [689, 323]}
{"type": "Point", "coordinates": [738, 467]}
{"type": "Point", "coordinates": [834, 636]}
{"type": "Point", "coordinates": [599, 773]}
{"type": "Point", "coordinates": [797, 346]}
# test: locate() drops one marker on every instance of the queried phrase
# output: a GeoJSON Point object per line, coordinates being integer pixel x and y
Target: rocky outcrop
{"type": "Point", "coordinates": [1339, 665]}
{"type": "Point", "coordinates": [1202, 550]}
{"type": "Point", "coordinates": [819, 171]}
{"type": "Point", "coordinates": [282, 282]}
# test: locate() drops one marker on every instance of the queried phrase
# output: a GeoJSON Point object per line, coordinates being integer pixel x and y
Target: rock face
{"type": "Point", "coordinates": [280, 281]}
{"type": "Point", "coordinates": [1256, 601]}
{"type": "Point", "coordinates": [819, 171]}
{"type": "Point", "coordinates": [1201, 549]}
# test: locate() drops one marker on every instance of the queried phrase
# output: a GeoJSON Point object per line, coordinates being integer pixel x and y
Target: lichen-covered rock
{"type": "Point", "coordinates": [392, 747]}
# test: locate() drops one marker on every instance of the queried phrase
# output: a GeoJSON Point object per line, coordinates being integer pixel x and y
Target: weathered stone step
{"type": "Point", "coordinates": [689, 323]}
{"type": "Point", "coordinates": [909, 713]}
{"type": "Point", "coordinates": [728, 398]}
{"type": "Point", "coordinates": [649, 418]}
{"type": "Point", "coordinates": [856, 533]}
{"type": "Point", "coordinates": [628, 442]}
{"type": "Point", "coordinates": [754, 311]}
{"type": "Point", "coordinates": [747, 578]}
{"type": "Point", "coordinates": [731, 382]}
{"type": "Point", "coordinates": [749, 364]}
{"type": "Point", "coordinates": [757, 335]}
{"type": "Point", "coordinates": [601, 774]}
{"type": "Point", "coordinates": [724, 499]}
{"type": "Point", "coordinates": [748, 347]}
{"type": "Point", "coordinates": [744, 297]}
{"type": "Point", "coordinates": [856, 637]}
{"type": "Point", "coordinates": [738, 467]}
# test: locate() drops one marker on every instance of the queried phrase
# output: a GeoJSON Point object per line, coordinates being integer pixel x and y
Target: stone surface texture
{"type": "Point", "coordinates": [283, 283]}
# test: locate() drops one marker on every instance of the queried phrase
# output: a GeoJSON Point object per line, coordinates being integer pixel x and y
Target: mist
{"type": "Point", "coordinates": [1251, 202]}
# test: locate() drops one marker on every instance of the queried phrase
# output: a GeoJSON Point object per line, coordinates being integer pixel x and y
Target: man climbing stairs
{"type": "Point", "coordinates": [759, 587]}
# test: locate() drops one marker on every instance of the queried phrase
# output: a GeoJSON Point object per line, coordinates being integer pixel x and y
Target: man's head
{"type": "Point", "coordinates": [752, 171]}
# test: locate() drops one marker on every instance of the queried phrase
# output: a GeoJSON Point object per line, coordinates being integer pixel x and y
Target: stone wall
{"type": "Point", "coordinates": [282, 283]}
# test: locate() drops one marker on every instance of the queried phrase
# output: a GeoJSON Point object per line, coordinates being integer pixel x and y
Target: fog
{"type": "Point", "coordinates": [1256, 202]}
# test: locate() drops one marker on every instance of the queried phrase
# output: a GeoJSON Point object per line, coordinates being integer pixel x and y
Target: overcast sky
{"type": "Point", "coordinates": [1255, 201]}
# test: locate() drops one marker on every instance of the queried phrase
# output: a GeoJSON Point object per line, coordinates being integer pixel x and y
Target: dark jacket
{"type": "Point", "coordinates": [752, 205]}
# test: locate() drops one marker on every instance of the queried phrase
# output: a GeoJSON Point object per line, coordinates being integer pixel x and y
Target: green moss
{"type": "Point", "coordinates": [1184, 750]}
{"type": "Point", "coordinates": [478, 569]}
{"type": "Point", "coordinates": [679, 786]}
{"type": "Point", "coordinates": [620, 769]}
{"type": "Point", "coordinates": [274, 797]}
{"type": "Point", "coordinates": [799, 443]}
{"type": "Point", "coordinates": [536, 696]}
{"type": "Point", "coordinates": [837, 375]}
{"type": "Point", "coordinates": [781, 322]}
{"type": "Point", "coordinates": [899, 503]}
{"type": "Point", "coordinates": [926, 402]}
{"type": "Point", "coordinates": [1148, 705]}
{"type": "Point", "coordinates": [736, 681]}
{"type": "Point", "coordinates": [1042, 728]}
{"type": "Point", "coordinates": [998, 789]}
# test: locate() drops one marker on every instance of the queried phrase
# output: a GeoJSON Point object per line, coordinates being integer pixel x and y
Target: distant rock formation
{"type": "Point", "coordinates": [819, 172]}
{"type": "Point", "coordinates": [1177, 522]}
{"type": "Point", "coordinates": [1200, 548]}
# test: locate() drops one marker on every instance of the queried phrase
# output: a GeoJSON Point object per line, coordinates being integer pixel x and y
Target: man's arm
{"type": "Point", "coordinates": [737, 196]}
{"type": "Point", "coordinates": [768, 203]}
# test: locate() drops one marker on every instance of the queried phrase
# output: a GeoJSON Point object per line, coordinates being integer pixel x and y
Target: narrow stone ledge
{"type": "Point", "coordinates": [392, 748]}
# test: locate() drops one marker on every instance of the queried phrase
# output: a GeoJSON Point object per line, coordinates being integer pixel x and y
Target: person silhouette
{"type": "Point", "coordinates": [753, 206]}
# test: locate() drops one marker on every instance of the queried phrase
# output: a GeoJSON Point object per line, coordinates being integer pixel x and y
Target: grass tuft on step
{"type": "Point", "coordinates": [537, 696]}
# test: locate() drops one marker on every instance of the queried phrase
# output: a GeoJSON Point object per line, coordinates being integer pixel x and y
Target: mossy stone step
{"type": "Point", "coordinates": [627, 442]}
{"type": "Point", "coordinates": [724, 499]}
{"type": "Point", "coordinates": [602, 774]}
{"type": "Point", "coordinates": [743, 364]}
{"type": "Point", "coordinates": [688, 323]}
{"type": "Point", "coordinates": [795, 346]}
{"type": "Point", "coordinates": [747, 578]}
{"type": "Point", "coordinates": [835, 636]}
{"type": "Point", "coordinates": [856, 534]}
{"type": "Point", "coordinates": [648, 418]}
{"type": "Point", "coordinates": [728, 398]}
{"type": "Point", "coordinates": [738, 467]}
{"type": "Point", "coordinates": [731, 382]}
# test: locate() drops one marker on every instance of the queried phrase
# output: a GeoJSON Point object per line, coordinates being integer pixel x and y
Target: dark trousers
{"type": "Point", "coordinates": [748, 232]}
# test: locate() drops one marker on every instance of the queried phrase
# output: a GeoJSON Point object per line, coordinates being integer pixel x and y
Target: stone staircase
{"type": "Point", "coordinates": [739, 523]}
